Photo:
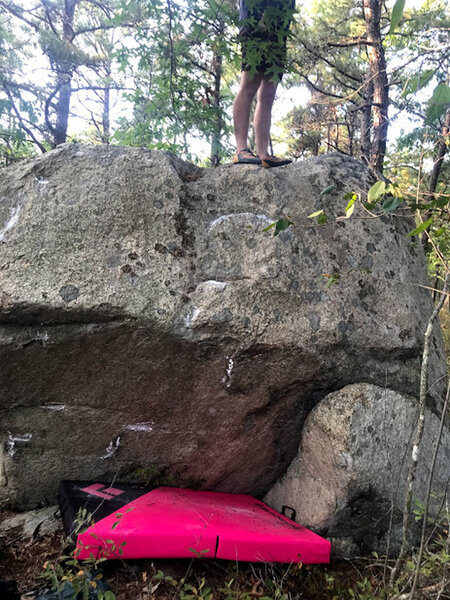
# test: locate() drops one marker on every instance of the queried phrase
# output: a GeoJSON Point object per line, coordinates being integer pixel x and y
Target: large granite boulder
{"type": "Point", "coordinates": [348, 480]}
{"type": "Point", "coordinates": [147, 320]}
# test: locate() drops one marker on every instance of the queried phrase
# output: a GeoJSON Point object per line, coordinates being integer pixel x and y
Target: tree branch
{"type": "Point", "coordinates": [419, 432]}
{"type": "Point", "coordinates": [329, 62]}
{"type": "Point", "coordinates": [21, 121]}
{"type": "Point", "coordinates": [428, 494]}
{"type": "Point", "coordinates": [15, 10]}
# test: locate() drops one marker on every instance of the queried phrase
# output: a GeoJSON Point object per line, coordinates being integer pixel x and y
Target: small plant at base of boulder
{"type": "Point", "coordinates": [152, 476]}
{"type": "Point", "coordinates": [69, 578]}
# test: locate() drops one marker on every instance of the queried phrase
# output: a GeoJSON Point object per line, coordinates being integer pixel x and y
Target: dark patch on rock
{"type": "Point", "coordinates": [366, 519]}
{"type": "Point", "coordinates": [69, 293]}
{"type": "Point", "coordinates": [342, 326]}
{"type": "Point", "coordinates": [366, 262]}
{"type": "Point", "coordinates": [181, 221]}
{"type": "Point", "coordinates": [314, 320]}
{"type": "Point", "coordinates": [224, 316]}
{"type": "Point", "coordinates": [113, 261]}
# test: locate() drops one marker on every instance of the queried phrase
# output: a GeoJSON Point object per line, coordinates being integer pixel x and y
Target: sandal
{"type": "Point", "coordinates": [274, 161]}
{"type": "Point", "coordinates": [246, 157]}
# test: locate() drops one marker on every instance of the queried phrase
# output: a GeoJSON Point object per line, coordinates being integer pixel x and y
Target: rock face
{"type": "Point", "coordinates": [147, 320]}
{"type": "Point", "coordinates": [352, 466]}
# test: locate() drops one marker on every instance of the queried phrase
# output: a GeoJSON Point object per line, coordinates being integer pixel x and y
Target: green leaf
{"type": "Point", "coordinates": [270, 226]}
{"type": "Point", "coordinates": [397, 14]}
{"type": "Point", "coordinates": [327, 190]}
{"type": "Point", "coordinates": [438, 103]}
{"type": "Point", "coordinates": [350, 207]}
{"type": "Point", "coordinates": [390, 204]}
{"type": "Point", "coordinates": [376, 191]}
{"type": "Point", "coordinates": [349, 211]}
{"type": "Point", "coordinates": [322, 219]}
{"type": "Point", "coordinates": [332, 279]}
{"type": "Point", "coordinates": [421, 227]}
{"type": "Point", "coordinates": [282, 225]}
{"type": "Point", "coordinates": [441, 202]}
{"type": "Point", "coordinates": [417, 82]}
{"type": "Point", "coordinates": [315, 214]}
{"type": "Point", "coordinates": [443, 246]}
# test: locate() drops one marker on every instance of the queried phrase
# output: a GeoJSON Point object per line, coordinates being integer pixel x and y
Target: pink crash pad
{"type": "Point", "coordinates": [170, 522]}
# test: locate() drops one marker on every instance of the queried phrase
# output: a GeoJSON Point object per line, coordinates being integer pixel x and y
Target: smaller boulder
{"type": "Point", "coordinates": [352, 466]}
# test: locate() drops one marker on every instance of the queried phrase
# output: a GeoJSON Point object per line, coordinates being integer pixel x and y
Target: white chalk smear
{"type": "Point", "coordinates": [145, 426]}
{"type": "Point", "coordinates": [227, 377]}
{"type": "Point", "coordinates": [13, 219]}
{"type": "Point", "coordinates": [111, 449]}
{"type": "Point", "coordinates": [190, 317]}
{"type": "Point", "coordinates": [53, 406]}
{"type": "Point", "coordinates": [244, 219]}
{"type": "Point", "coordinates": [212, 283]}
{"type": "Point", "coordinates": [16, 439]}
{"type": "Point", "coordinates": [43, 337]}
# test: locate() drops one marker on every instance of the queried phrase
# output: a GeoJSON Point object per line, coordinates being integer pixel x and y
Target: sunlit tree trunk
{"type": "Point", "coordinates": [441, 150]}
{"type": "Point", "coordinates": [106, 121]}
{"type": "Point", "coordinates": [63, 68]}
{"type": "Point", "coordinates": [366, 120]}
{"type": "Point", "coordinates": [216, 136]}
{"type": "Point", "coordinates": [379, 81]}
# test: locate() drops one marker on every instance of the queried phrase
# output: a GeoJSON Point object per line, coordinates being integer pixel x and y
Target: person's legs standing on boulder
{"type": "Point", "coordinates": [264, 28]}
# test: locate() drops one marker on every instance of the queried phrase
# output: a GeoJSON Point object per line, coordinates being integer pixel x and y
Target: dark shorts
{"type": "Point", "coordinates": [264, 51]}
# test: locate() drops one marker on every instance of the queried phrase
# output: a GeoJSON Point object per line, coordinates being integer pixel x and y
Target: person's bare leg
{"type": "Point", "coordinates": [263, 116]}
{"type": "Point", "coordinates": [242, 106]}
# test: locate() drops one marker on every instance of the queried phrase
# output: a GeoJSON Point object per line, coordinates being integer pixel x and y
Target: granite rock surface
{"type": "Point", "coordinates": [348, 480]}
{"type": "Point", "coordinates": [148, 321]}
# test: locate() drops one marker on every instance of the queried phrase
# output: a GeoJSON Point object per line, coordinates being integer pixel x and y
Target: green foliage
{"type": "Point", "coordinates": [422, 227]}
{"type": "Point", "coordinates": [438, 103]}
{"type": "Point", "coordinates": [376, 192]}
{"type": "Point", "coordinates": [352, 198]}
{"type": "Point", "coordinates": [417, 82]}
{"type": "Point", "coordinates": [186, 590]}
{"type": "Point", "coordinates": [280, 225]}
{"type": "Point", "coordinates": [332, 279]}
{"type": "Point", "coordinates": [397, 14]}
{"type": "Point", "coordinates": [183, 53]}
{"type": "Point", "coordinates": [330, 56]}
{"type": "Point", "coordinates": [322, 218]}
{"type": "Point", "coordinates": [153, 476]}
{"type": "Point", "coordinates": [327, 190]}
{"type": "Point", "coordinates": [14, 143]}
{"type": "Point", "coordinates": [70, 578]}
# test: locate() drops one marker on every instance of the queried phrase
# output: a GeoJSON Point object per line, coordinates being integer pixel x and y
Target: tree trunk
{"type": "Point", "coordinates": [64, 76]}
{"type": "Point", "coordinates": [378, 76]}
{"type": "Point", "coordinates": [366, 120]}
{"type": "Point", "coordinates": [216, 136]}
{"type": "Point", "coordinates": [432, 184]}
{"type": "Point", "coordinates": [106, 121]}
{"type": "Point", "coordinates": [441, 150]}
{"type": "Point", "coordinates": [62, 109]}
